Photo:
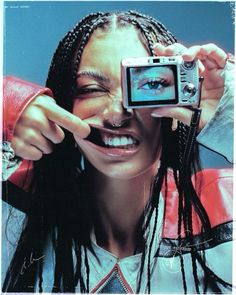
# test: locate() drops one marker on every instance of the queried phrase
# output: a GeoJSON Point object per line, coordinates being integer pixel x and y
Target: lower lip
{"type": "Point", "coordinates": [114, 152]}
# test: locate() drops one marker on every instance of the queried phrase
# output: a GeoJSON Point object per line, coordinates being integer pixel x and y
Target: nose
{"type": "Point", "coordinates": [116, 115]}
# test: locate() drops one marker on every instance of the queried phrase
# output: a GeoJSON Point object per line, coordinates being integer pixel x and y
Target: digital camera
{"type": "Point", "coordinates": [159, 81]}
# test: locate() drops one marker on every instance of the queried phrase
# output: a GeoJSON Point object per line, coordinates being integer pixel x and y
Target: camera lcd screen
{"type": "Point", "coordinates": [152, 85]}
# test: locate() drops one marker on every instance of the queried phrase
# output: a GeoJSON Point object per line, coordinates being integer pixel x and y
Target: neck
{"type": "Point", "coordinates": [119, 205]}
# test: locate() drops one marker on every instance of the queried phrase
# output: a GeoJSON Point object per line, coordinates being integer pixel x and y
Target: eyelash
{"type": "Point", "coordinates": [161, 82]}
{"type": "Point", "coordinates": [86, 90]}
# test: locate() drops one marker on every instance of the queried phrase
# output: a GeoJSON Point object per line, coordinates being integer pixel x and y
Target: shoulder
{"type": "Point", "coordinates": [214, 188]}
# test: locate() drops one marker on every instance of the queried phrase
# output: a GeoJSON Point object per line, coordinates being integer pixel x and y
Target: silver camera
{"type": "Point", "coordinates": [159, 81]}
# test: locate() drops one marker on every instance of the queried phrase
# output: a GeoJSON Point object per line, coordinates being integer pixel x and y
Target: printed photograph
{"type": "Point", "coordinates": [117, 147]}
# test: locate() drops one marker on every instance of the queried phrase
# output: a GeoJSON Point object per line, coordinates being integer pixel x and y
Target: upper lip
{"type": "Point", "coordinates": [117, 132]}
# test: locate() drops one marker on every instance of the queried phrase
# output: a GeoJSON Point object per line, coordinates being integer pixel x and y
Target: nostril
{"type": "Point", "coordinates": [128, 111]}
{"type": "Point", "coordinates": [116, 116]}
{"type": "Point", "coordinates": [116, 124]}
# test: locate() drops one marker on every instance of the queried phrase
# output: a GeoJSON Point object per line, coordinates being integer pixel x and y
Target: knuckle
{"type": "Point", "coordinates": [169, 50]}
{"type": "Point", "coordinates": [17, 146]}
{"type": "Point", "coordinates": [29, 137]}
{"type": "Point", "coordinates": [31, 121]}
{"type": "Point", "coordinates": [19, 124]}
{"type": "Point", "coordinates": [211, 45]}
{"type": "Point", "coordinates": [71, 119]}
{"type": "Point", "coordinates": [25, 153]}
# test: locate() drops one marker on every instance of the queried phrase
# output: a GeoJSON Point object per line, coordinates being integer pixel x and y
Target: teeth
{"type": "Point", "coordinates": [130, 141]}
{"type": "Point", "coordinates": [106, 140]}
{"type": "Point", "coordinates": [116, 141]}
{"type": "Point", "coordinates": [110, 141]}
{"type": "Point", "coordinates": [119, 141]}
{"type": "Point", "coordinates": [124, 140]}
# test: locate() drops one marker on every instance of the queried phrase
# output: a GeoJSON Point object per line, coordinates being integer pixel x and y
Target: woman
{"type": "Point", "coordinates": [99, 222]}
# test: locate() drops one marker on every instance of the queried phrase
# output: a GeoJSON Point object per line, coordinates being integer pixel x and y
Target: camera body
{"type": "Point", "coordinates": [159, 81]}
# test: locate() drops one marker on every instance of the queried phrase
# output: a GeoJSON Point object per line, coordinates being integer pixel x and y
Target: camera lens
{"type": "Point", "coordinates": [189, 64]}
{"type": "Point", "coordinates": [189, 90]}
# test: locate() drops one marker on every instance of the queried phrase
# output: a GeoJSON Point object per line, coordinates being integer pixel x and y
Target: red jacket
{"type": "Point", "coordinates": [215, 192]}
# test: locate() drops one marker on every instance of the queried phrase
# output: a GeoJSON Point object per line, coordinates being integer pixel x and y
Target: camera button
{"type": "Point", "coordinates": [189, 90]}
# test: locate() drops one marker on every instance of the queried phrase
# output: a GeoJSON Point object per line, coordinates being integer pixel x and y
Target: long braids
{"type": "Point", "coordinates": [182, 171]}
{"type": "Point", "coordinates": [150, 30]}
{"type": "Point", "coordinates": [71, 48]}
{"type": "Point", "coordinates": [61, 80]}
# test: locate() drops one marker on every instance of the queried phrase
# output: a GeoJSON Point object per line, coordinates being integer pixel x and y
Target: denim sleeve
{"type": "Point", "coordinates": [218, 133]}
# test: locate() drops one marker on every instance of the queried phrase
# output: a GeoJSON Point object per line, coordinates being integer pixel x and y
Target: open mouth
{"type": "Point", "coordinates": [111, 139]}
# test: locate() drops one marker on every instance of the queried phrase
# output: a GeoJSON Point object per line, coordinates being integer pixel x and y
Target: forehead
{"type": "Point", "coordinates": [115, 41]}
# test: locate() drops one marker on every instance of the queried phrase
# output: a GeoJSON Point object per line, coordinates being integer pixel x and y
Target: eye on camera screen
{"type": "Point", "coordinates": [153, 85]}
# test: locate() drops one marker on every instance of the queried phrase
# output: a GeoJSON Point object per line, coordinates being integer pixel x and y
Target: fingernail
{"type": "Point", "coordinates": [158, 45]}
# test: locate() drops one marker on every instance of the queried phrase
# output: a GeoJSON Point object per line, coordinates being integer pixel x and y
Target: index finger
{"type": "Point", "coordinates": [210, 50]}
{"type": "Point", "coordinates": [65, 119]}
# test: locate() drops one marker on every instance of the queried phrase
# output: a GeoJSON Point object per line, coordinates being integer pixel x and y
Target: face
{"type": "Point", "coordinates": [152, 83]}
{"type": "Point", "coordinates": [127, 150]}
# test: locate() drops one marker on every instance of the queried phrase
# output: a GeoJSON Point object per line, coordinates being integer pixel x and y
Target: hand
{"type": "Point", "coordinates": [212, 62]}
{"type": "Point", "coordinates": [39, 127]}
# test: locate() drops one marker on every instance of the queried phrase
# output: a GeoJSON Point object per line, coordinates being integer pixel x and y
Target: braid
{"type": "Point", "coordinates": [188, 201]}
{"type": "Point", "coordinates": [180, 220]}
{"type": "Point", "coordinates": [62, 81]}
{"type": "Point", "coordinates": [185, 207]}
{"type": "Point", "coordinates": [146, 33]}
{"type": "Point", "coordinates": [147, 27]}
{"type": "Point", "coordinates": [190, 236]}
{"type": "Point", "coordinates": [87, 268]}
{"type": "Point", "coordinates": [61, 75]}
{"type": "Point", "coordinates": [78, 274]}
{"type": "Point", "coordinates": [160, 32]}
{"type": "Point", "coordinates": [82, 284]}
{"type": "Point", "coordinates": [151, 244]}
{"type": "Point", "coordinates": [90, 29]}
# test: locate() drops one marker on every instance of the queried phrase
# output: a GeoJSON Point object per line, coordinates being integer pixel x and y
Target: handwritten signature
{"type": "Point", "coordinates": [171, 264]}
{"type": "Point", "coordinates": [29, 262]}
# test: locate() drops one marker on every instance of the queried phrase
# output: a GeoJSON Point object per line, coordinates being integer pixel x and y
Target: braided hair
{"type": "Point", "coordinates": [70, 190]}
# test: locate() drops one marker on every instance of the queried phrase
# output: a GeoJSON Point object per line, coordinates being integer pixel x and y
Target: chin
{"type": "Point", "coordinates": [120, 154]}
{"type": "Point", "coordinates": [123, 171]}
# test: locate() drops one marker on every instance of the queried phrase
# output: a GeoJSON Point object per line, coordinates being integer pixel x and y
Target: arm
{"type": "Point", "coordinates": [218, 132]}
{"type": "Point", "coordinates": [17, 95]}
{"type": "Point", "coordinates": [32, 123]}
{"type": "Point", "coordinates": [216, 123]}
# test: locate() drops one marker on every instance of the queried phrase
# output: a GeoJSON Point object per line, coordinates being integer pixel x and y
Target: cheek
{"type": "Point", "coordinates": [149, 123]}
{"type": "Point", "coordinates": [151, 128]}
{"type": "Point", "coordinates": [152, 140]}
{"type": "Point", "coordinates": [86, 108]}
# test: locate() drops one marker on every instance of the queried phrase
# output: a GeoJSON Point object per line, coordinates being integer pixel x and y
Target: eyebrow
{"type": "Point", "coordinates": [139, 70]}
{"type": "Point", "coordinates": [99, 77]}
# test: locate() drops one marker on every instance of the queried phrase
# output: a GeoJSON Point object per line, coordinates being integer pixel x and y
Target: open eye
{"type": "Point", "coordinates": [154, 85]}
